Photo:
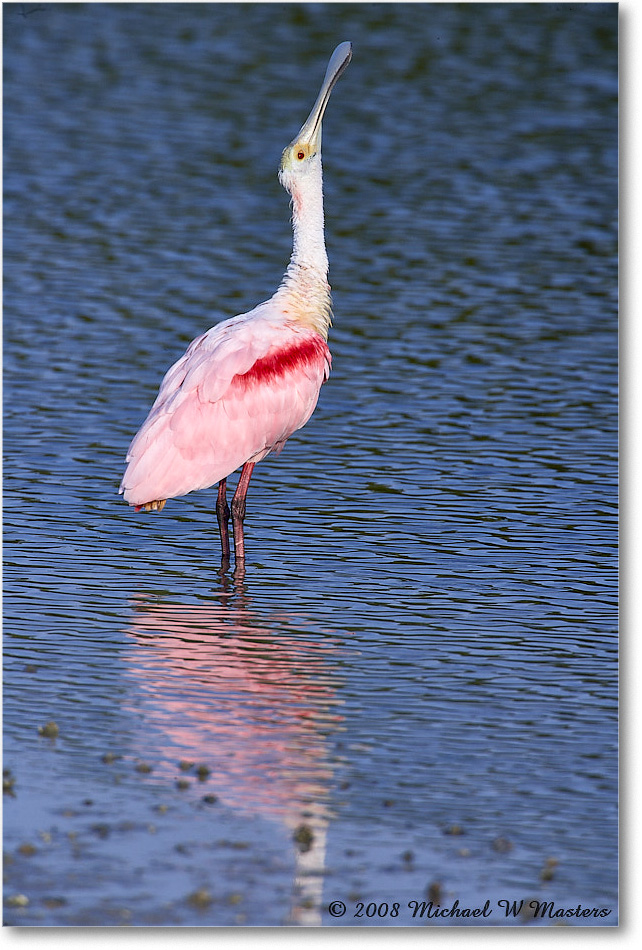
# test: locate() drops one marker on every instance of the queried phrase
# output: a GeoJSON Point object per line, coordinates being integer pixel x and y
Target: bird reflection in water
{"type": "Point", "coordinates": [254, 699]}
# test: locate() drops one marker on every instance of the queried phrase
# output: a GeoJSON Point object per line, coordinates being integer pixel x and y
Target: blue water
{"type": "Point", "coordinates": [417, 666]}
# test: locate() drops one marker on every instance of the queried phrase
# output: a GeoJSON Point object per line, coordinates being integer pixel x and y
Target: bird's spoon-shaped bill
{"type": "Point", "coordinates": [311, 128]}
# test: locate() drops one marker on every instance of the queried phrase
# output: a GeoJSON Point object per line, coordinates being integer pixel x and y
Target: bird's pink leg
{"type": "Point", "coordinates": [238, 510]}
{"type": "Point", "coordinates": [223, 516]}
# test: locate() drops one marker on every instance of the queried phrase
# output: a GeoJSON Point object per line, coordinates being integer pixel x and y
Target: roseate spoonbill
{"type": "Point", "coordinates": [243, 387]}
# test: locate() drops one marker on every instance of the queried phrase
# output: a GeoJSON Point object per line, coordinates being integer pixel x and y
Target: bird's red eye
{"type": "Point", "coordinates": [300, 155]}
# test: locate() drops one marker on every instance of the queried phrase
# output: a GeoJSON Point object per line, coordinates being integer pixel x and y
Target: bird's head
{"type": "Point", "coordinates": [304, 151]}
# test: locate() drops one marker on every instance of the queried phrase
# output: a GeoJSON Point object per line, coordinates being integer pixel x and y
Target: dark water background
{"type": "Point", "coordinates": [418, 666]}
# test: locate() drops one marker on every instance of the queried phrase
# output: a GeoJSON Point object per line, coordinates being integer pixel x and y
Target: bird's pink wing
{"type": "Point", "coordinates": [240, 390]}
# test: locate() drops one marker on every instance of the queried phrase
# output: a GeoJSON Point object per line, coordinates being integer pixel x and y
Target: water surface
{"type": "Point", "coordinates": [411, 688]}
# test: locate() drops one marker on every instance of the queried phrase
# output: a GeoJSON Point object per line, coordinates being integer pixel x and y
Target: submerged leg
{"type": "Point", "coordinates": [223, 516]}
{"type": "Point", "coordinates": [238, 510]}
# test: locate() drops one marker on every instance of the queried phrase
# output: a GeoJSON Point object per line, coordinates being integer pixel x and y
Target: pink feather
{"type": "Point", "coordinates": [238, 393]}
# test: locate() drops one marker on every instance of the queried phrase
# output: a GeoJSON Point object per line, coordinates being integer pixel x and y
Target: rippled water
{"type": "Point", "coordinates": [411, 689]}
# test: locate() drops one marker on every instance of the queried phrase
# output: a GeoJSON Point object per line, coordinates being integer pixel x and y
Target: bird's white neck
{"type": "Point", "coordinates": [305, 289]}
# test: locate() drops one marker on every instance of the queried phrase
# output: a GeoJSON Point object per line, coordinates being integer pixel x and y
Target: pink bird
{"type": "Point", "coordinates": [243, 387]}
